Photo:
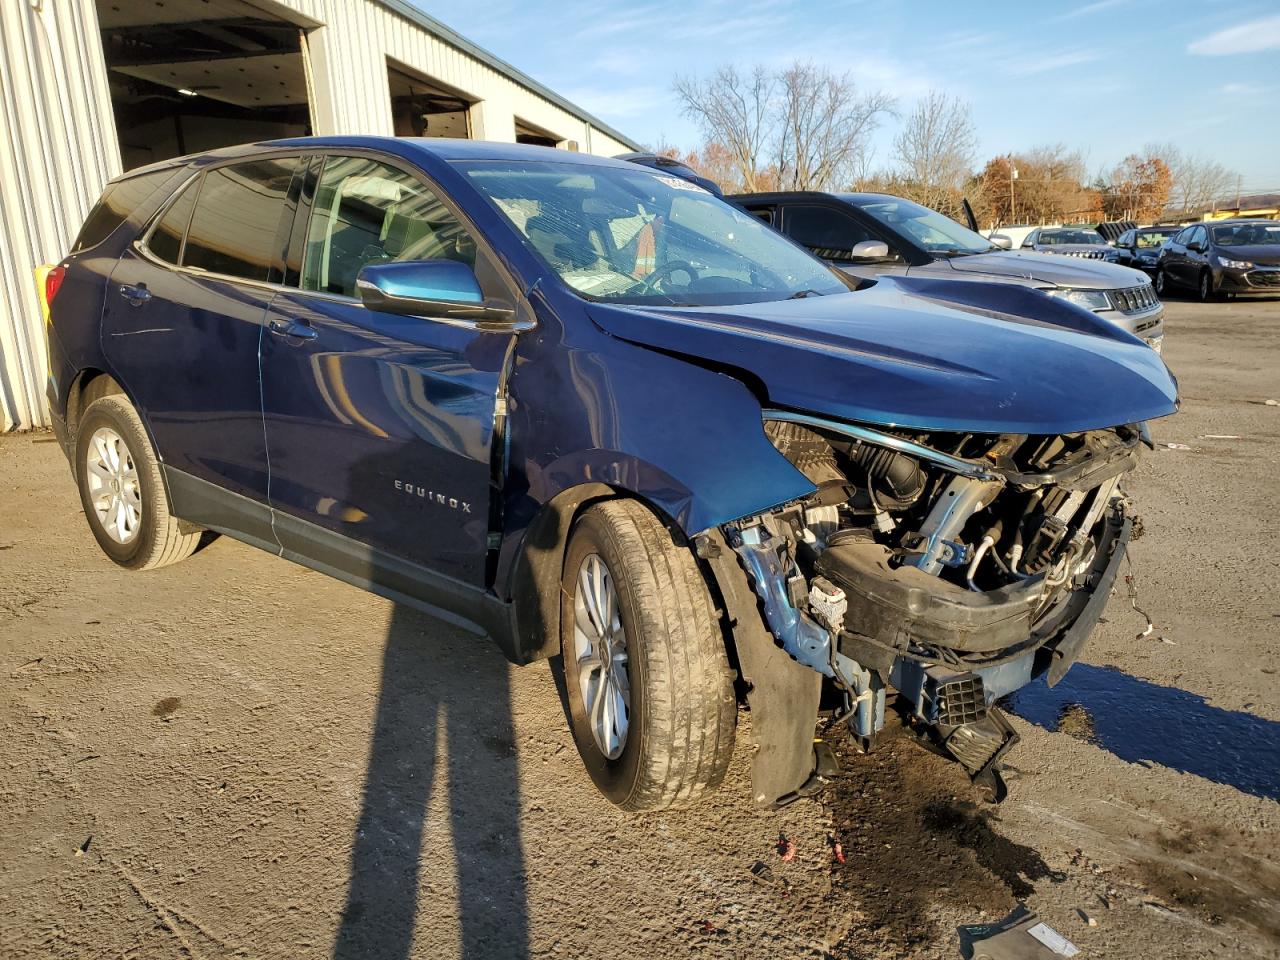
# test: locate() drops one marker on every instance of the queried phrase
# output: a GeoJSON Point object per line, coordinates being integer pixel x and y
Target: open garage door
{"type": "Point", "coordinates": [423, 108]}
{"type": "Point", "coordinates": [193, 75]}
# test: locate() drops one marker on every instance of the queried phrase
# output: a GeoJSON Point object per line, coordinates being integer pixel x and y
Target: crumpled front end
{"type": "Point", "coordinates": [950, 568]}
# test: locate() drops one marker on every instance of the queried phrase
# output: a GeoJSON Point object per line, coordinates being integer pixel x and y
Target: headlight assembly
{"type": "Point", "coordinates": [1234, 264]}
{"type": "Point", "coordinates": [1089, 299]}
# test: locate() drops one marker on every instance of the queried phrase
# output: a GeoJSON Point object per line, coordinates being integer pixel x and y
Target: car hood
{"type": "Point", "coordinates": [1050, 269]}
{"type": "Point", "coordinates": [1266, 254]}
{"type": "Point", "coordinates": [920, 353]}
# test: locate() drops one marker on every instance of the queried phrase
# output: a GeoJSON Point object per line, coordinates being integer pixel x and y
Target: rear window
{"type": "Point", "coordinates": [236, 224]}
{"type": "Point", "coordinates": [119, 199]}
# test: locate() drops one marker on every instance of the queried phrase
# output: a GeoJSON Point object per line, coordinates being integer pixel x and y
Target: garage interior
{"type": "Point", "coordinates": [424, 108]}
{"type": "Point", "coordinates": [194, 75]}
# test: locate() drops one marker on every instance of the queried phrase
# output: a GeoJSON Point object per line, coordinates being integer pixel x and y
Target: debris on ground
{"type": "Point", "coordinates": [1086, 919]}
{"type": "Point", "coordinates": [1177, 446]}
{"type": "Point", "coordinates": [1219, 436]}
{"type": "Point", "coordinates": [1020, 936]}
{"type": "Point", "coordinates": [837, 850]}
{"type": "Point", "coordinates": [762, 874]}
{"type": "Point", "coordinates": [786, 848]}
{"type": "Point", "coordinates": [84, 847]}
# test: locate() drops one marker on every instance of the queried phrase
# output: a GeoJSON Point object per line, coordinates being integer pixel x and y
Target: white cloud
{"type": "Point", "coordinates": [1251, 37]}
{"type": "Point", "coordinates": [1090, 8]}
{"type": "Point", "coordinates": [1050, 62]}
{"type": "Point", "coordinates": [1243, 90]}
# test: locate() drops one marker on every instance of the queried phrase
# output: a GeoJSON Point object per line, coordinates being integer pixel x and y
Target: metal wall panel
{"type": "Point", "coordinates": [58, 143]}
{"type": "Point", "coordinates": [57, 150]}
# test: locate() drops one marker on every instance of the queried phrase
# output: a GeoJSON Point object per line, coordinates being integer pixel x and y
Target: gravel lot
{"type": "Point", "coordinates": [238, 757]}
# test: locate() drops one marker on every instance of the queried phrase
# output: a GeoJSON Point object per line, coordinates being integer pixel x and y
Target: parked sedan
{"type": "Point", "coordinates": [875, 234]}
{"type": "Point", "coordinates": [1140, 247]}
{"type": "Point", "coordinates": [1215, 259]}
{"type": "Point", "coordinates": [591, 410]}
{"type": "Point", "coordinates": [1084, 242]}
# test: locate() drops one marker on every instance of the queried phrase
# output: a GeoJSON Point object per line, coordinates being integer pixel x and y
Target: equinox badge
{"type": "Point", "coordinates": [451, 502]}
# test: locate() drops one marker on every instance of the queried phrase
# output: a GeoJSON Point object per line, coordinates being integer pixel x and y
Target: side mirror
{"type": "Point", "coordinates": [869, 250]}
{"type": "Point", "coordinates": [1196, 245]}
{"type": "Point", "coordinates": [1001, 241]}
{"type": "Point", "coordinates": [430, 288]}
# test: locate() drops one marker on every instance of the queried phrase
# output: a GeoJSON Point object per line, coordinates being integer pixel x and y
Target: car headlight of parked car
{"type": "Point", "coordinates": [1234, 264]}
{"type": "Point", "coordinates": [1089, 299]}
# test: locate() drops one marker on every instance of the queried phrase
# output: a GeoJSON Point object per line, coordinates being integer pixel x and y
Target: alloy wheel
{"type": "Point", "coordinates": [600, 649]}
{"type": "Point", "coordinates": [114, 490]}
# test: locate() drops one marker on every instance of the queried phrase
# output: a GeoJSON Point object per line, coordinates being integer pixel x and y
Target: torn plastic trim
{"type": "Point", "coordinates": [961, 465]}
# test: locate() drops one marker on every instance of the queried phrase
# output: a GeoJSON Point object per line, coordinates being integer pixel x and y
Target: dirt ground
{"type": "Point", "coordinates": [235, 757]}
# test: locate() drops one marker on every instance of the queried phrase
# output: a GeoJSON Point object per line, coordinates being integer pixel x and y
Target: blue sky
{"type": "Point", "coordinates": [1107, 76]}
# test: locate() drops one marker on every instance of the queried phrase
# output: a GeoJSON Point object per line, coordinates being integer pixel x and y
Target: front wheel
{"type": "Point", "coordinates": [651, 697]}
{"type": "Point", "coordinates": [1205, 287]}
{"type": "Point", "coordinates": [122, 491]}
{"type": "Point", "coordinates": [1162, 283]}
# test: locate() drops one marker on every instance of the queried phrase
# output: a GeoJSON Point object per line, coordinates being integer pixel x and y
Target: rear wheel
{"type": "Point", "coordinates": [122, 491]}
{"type": "Point", "coordinates": [651, 697]}
{"type": "Point", "coordinates": [1162, 283]}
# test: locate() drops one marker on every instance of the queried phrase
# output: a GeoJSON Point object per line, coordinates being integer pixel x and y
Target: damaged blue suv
{"type": "Point", "coordinates": [589, 409]}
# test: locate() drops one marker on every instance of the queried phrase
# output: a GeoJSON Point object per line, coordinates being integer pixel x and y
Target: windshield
{"type": "Point", "coordinates": [1247, 235]}
{"type": "Point", "coordinates": [1152, 238]}
{"type": "Point", "coordinates": [644, 237]}
{"type": "Point", "coordinates": [937, 234]}
{"type": "Point", "coordinates": [1055, 237]}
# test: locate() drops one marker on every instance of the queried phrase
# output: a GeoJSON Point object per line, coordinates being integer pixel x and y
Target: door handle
{"type": "Point", "coordinates": [136, 293]}
{"type": "Point", "coordinates": [283, 327]}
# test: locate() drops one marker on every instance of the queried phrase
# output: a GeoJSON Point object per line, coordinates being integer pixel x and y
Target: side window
{"type": "Point", "coordinates": [1184, 236]}
{"type": "Point", "coordinates": [118, 200]}
{"type": "Point", "coordinates": [1030, 242]}
{"type": "Point", "coordinates": [1199, 235]}
{"type": "Point", "coordinates": [235, 228]}
{"type": "Point", "coordinates": [165, 240]}
{"type": "Point", "coordinates": [827, 233]}
{"type": "Point", "coordinates": [764, 214]}
{"type": "Point", "coordinates": [370, 212]}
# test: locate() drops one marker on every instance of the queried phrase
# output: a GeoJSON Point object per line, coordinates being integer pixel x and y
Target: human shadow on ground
{"type": "Point", "coordinates": [1144, 722]}
{"type": "Point", "coordinates": [439, 690]}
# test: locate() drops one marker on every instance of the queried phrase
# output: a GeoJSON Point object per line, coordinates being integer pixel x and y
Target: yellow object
{"type": "Point", "coordinates": [42, 272]}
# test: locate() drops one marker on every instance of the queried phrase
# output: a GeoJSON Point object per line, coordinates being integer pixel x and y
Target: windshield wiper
{"type": "Point", "coordinates": [802, 294]}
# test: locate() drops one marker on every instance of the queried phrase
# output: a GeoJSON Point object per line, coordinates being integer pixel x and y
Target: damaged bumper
{"type": "Point", "coordinates": [946, 571]}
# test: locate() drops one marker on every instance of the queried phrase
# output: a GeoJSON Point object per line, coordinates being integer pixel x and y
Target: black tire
{"type": "Point", "coordinates": [683, 710]}
{"type": "Point", "coordinates": [1204, 287]}
{"type": "Point", "coordinates": [1162, 283]}
{"type": "Point", "coordinates": [158, 538]}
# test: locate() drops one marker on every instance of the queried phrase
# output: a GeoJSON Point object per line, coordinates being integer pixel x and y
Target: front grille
{"type": "Point", "coordinates": [1134, 299]}
{"type": "Point", "coordinates": [1264, 278]}
{"type": "Point", "coordinates": [1087, 254]}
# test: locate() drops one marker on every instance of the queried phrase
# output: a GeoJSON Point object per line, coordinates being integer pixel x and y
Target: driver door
{"type": "Point", "coordinates": [379, 427]}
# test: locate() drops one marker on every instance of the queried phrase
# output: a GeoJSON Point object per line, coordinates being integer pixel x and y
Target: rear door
{"type": "Point", "coordinates": [184, 315]}
{"type": "Point", "coordinates": [380, 427]}
{"type": "Point", "coordinates": [831, 233]}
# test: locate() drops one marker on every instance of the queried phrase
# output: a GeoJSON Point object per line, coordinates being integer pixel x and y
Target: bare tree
{"type": "Point", "coordinates": [1198, 183]}
{"type": "Point", "coordinates": [735, 111]}
{"type": "Point", "coordinates": [824, 125]}
{"type": "Point", "coordinates": [935, 149]}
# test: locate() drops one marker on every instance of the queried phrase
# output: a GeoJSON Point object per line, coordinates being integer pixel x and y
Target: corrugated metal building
{"type": "Point", "coordinates": [90, 88]}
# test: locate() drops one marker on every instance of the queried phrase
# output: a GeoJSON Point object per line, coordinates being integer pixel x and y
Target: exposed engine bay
{"type": "Point", "coordinates": [952, 568]}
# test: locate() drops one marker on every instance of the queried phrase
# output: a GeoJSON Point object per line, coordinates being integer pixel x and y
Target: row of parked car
{"type": "Point", "coordinates": [1213, 260]}
{"type": "Point", "coordinates": [589, 409]}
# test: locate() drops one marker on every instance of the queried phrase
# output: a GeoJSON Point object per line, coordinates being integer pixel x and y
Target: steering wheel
{"type": "Point", "coordinates": [650, 283]}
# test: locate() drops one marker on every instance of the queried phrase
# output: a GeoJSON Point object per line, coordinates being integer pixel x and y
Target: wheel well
{"type": "Point", "coordinates": [88, 386]}
{"type": "Point", "coordinates": [536, 591]}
